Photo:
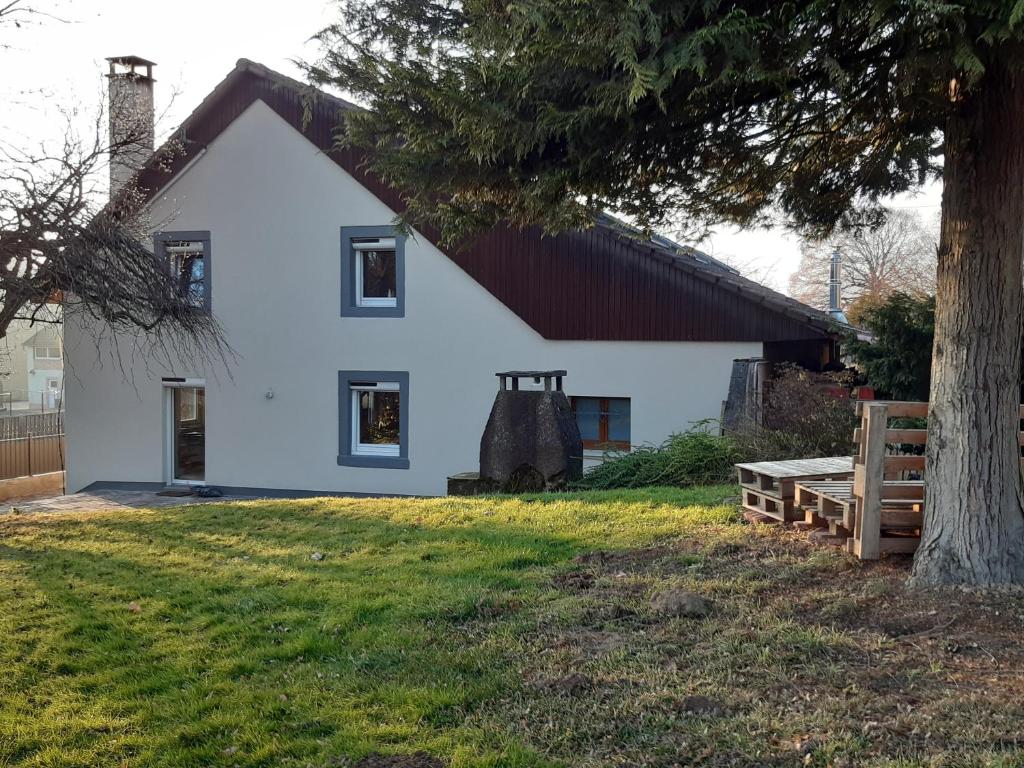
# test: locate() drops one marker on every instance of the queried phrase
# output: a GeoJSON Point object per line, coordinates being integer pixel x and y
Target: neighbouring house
{"type": "Point", "coordinates": [31, 367]}
{"type": "Point", "coordinates": [45, 369]}
{"type": "Point", "coordinates": [365, 359]}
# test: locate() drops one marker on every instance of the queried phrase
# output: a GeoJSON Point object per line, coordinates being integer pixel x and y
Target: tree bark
{"type": "Point", "coordinates": [974, 516]}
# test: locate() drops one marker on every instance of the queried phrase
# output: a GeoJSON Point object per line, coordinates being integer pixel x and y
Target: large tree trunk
{"type": "Point", "coordinates": [974, 517]}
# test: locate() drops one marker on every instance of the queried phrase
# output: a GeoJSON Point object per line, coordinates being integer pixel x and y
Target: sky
{"type": "Point", "coordinates": [57, 61]}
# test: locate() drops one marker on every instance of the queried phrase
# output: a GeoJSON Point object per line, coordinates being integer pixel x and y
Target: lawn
{"type": "Point", "coordinates": [485, 632]}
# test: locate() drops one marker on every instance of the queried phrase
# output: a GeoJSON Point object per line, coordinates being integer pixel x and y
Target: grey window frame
{"type": "Point", "coordinates": [346, 458]}
{"type": "Point", "coordinates": [160, 240]}
{"type": "Point", "coordinates": [349, 304]}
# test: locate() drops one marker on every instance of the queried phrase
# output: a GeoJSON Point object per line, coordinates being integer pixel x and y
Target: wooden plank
{"type": "Point", "coordinates": [906, 436]}
{"type": "Point", "coordinates": [858, 480]}
{"type": "Point", "coordinates": [901, 518]}
{"type": "Point", "coordinates": [868, 522]}
{"type": "Point", "coordinates": [904, 463]}
{"type": "Point", "coordinates": [903, 489]}
{"type": "Point", "coordinates": [907, 408]}
{"type": "Point", "coordinates": [900, 409]}
{"type": "Point", "coordinates": [801, 468]}
{"type": "Point", "coordinates": [780, 509]}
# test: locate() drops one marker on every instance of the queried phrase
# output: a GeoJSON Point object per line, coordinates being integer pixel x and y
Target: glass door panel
{"type": "Point", "coordinates": [189, 408]}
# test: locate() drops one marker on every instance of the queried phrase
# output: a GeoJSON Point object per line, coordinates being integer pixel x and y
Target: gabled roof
{"type": "Point", "coordinates": [607, 282]}
{"type": "Point", "coordinates": [45, 337]}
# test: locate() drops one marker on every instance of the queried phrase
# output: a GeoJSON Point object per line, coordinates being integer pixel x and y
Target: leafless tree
{"type": "Point", "coordinates": [62, 243]}
{"type": "Point", "coordinates": [896, 254]}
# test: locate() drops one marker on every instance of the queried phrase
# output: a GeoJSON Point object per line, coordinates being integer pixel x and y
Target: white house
{"type": "Point", "coordinates": [365, 359]}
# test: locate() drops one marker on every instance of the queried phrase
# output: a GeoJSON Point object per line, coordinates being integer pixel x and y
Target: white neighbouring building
{"type": "Point", "coordinates": [366, 360]}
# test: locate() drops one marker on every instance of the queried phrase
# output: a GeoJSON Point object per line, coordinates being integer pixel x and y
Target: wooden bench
{"type": "Point", "coordinates": [887, 513]}
{"type": "Point", "coordinates": [881, 509]}
{"type": "Point", "coordinates": [769, 487]}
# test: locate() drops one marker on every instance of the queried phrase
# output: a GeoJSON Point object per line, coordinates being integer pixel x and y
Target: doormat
{"type": "Point", "coordinates": [175, 492]}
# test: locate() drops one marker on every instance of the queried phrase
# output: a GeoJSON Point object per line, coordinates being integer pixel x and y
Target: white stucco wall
{"type": "Point", "coordinates": [274, 206]}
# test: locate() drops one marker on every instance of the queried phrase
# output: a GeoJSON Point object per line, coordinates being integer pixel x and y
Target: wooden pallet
{"type": "Point", "coordinates": [768, 504]}
{"type": "Point", "coordinates": [826, 504]}
{"type": "Point", "coordinates": [769, 487]}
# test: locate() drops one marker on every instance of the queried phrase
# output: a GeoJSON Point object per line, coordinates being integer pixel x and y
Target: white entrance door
{"type": "Point", "coordinates": [186, 444]}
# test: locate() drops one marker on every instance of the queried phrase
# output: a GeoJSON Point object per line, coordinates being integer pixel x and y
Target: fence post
{"type": "Point", "coordinates": [30, 454]}
{"type": "Point", "coordinates": [868, 526]}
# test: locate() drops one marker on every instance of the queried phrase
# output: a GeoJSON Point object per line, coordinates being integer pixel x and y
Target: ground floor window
{"type": "Point", "coordinates": [373, 411]}
{"type": "Point", "coordinates": [376, 425]}
{"type": "Point", "coordinates": [603, 422]}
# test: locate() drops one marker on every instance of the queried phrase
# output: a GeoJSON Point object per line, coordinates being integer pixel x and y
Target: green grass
{"type": "Point", "coordinates": [208, 635]}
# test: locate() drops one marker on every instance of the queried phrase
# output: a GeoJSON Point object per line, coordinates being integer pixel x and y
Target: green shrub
{"type": "Point", "coordinates": [696, 457]}
{"type": "Point", "coordinates": [898, 359]}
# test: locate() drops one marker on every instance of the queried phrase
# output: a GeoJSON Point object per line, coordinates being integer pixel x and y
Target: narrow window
{"type": "Point", "coordinates": [372, 272]}
{"type": "Point", "coordinates": [189, 266]}
{"type": "Point", "coordinates": [603, 422]}
{"type": "Point", "coordinates": [187, 256]}
{"type": "Point", "coordinates": [376, 272]}
{"type": "Point", "coordinates": [373, 412]}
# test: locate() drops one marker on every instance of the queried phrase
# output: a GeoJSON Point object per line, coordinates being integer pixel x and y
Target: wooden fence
{"type": "Point", "coordinates": [31, 455]}
{"type": "Point", "coordinates": [31, 444]}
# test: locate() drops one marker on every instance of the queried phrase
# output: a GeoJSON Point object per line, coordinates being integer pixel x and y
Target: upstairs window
{"type": "Point", "coordinates": [47, 353]}
{"type": "Point", "coordinates": [376, 272]}
{"type": "Point", "coordinates": [188, 258]}
{"type": "Point", "coordinates": [372, 272]}
{"type": "Point", "coordinates": [603, 422]}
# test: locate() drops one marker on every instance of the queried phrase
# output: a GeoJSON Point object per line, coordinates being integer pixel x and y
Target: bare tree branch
{"type": "Point", "coordinates": [62, 244]}
{"type": "Point", "coordinates": [878, 259]}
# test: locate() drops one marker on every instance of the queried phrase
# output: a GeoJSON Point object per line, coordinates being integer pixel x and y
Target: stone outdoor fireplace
{"type": "Point", "coordinates": [531, 441]}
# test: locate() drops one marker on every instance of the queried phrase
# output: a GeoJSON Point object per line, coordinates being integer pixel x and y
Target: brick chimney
{"type": "Point", "coordinates": [130, 90]}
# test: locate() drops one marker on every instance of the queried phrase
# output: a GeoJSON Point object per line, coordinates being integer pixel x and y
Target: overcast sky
{"type": "Point", "coordinates": [50, 62]}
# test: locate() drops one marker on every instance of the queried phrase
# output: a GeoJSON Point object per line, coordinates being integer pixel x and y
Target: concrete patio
{"type": "Point", "coordinates": [109, 499]}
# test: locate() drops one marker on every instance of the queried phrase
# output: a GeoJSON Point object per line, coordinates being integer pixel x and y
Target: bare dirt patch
{"type": "Point", "coordinates": [809, 657]}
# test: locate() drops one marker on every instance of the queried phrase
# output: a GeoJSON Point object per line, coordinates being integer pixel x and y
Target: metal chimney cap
{"type": "Point", "coordinates": [529, 374]}
{"type": "Point", "coordinates": [129, 61]}
{"type": "Point", "coordinates": [132, 67]}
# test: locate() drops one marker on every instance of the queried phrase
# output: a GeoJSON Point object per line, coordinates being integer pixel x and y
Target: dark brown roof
{"type": "Point", "coordinates": [604, 283]}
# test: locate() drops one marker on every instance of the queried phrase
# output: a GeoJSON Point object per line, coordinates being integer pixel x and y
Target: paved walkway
{"type": "Point", "coordinates": [111, 499]}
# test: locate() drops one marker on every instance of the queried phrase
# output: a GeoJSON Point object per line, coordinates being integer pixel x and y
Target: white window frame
{"type": "Point", "coordinates": [46, 355]}
{"type": "Point", "coordinates": [377, 244]}
{"type": "Point", "coordinates": [372, 449]}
